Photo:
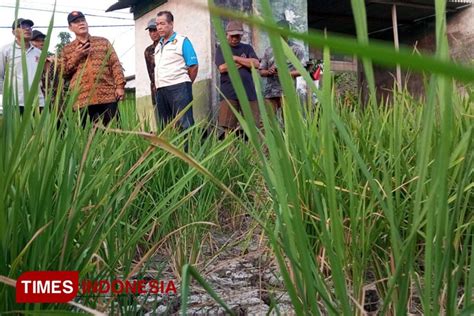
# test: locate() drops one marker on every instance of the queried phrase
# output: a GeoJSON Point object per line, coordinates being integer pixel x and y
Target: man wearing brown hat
{"type": "Point", "coordinates": [150, 57]}
{"type": "Point", "coordinates": [245, 58]}
{"type": "Point", "coordinates": [92, 65]}
{"type": "Point", "coordinates": [11, 56]}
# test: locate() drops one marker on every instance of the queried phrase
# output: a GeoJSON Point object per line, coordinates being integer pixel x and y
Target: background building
{"type": "Point", "coordinates": [411, 20]}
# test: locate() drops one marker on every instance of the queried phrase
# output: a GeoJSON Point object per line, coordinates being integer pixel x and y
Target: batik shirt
{"type": "Point", "coordinates": [95, 76]}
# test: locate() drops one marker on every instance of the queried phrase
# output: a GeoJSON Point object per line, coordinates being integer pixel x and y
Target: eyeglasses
{"type": "Point", "coordinates": [25, 26]}
{"type": "Point", "coordinates": [152, 30]}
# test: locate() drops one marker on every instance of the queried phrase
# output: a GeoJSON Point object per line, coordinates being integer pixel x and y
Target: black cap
{"type": "Point", "coordinates": [20, 21]}
{"type": "Point", "coordinates": [37, 35]}
{"type": "Point", "coordinates": [151, 24]}
{"type": "Point", "coordinates": [74, 15]}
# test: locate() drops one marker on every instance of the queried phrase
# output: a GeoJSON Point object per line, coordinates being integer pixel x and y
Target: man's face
{"type": "Point", "coordinates": [234, 40]}
{"type": "Point", "coordinates": [154, 35]}
{"type": "Point", "coordinates": [23, 30]}
{"type": "Point", "coordinates": [38, 43]}
{"type": "Point", "coordinates": [79, 26]}
{"type": "Point", "coordinates": [164, 28]}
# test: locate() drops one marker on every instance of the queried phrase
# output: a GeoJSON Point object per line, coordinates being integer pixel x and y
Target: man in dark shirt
{"type": "Point", "coordinates": [150, 57]}
{"type": "Point", "coordinates": [245, 58]}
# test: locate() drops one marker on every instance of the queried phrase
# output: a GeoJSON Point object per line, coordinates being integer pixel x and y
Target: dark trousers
{"type": "Point", "coordinates": [227, 118]}
{"type": "Point", "coordinates": [104, 112]}
{"type": "Point", "coordinates": [22, 109]}
{"type": "Point", "coordinates": [173, 99]}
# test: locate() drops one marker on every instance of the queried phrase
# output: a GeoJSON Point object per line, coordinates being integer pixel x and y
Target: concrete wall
{"type": "Point", "coordinates": [294, 11]}
{"type": "Point", "coordinates": [460, 32]}
{"type": "Point", "coordinates": [461, 35]}
{"type": "Point", "coordinates": [244, 6]}
{"type": "Point", "coordinates": [197, 27]}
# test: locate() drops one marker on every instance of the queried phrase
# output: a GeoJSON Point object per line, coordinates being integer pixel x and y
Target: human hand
{"type": "Point", "coordinates": [83, 50]}
{"type": "Point", "coordinates": [119, 94]}
{"type": "Point", "coordinates": [271, 71]}
{"type": "Point", "coordinates": [237, 61]}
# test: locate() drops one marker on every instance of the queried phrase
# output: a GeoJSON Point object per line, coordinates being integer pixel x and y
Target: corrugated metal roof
{"type": "Point", "coordinates": [121, 4]}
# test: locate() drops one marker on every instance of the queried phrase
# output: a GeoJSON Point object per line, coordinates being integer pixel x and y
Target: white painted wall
{"type": "Point", "coordinates": [190, 21]}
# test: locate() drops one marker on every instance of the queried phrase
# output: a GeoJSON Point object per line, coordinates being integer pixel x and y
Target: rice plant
{"type": "Point", "coordinates": [102, 200]}
{"type": "Point", "coordinates": [383, 192]}
{"type": "Point", "coordinates": [366, 198]}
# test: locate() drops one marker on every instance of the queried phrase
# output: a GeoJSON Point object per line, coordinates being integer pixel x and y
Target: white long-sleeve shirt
{"type": "Point", "coordinates": [11, 55]}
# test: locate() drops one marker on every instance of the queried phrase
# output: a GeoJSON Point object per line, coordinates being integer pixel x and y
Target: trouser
{"type": "Point", "coordinates": [276, 103]}
{"type": "Point", "coordinates": [228, 120]}
{"type": "Point", "coordinates": [22, 109]}
{"type": "Point", "coordinates": [104, 112]}
{"type": "Point", "coordinates": [171, 100]}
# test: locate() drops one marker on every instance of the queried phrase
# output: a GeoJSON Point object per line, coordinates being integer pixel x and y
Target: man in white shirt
{"type": "Point", "coordinates": [10, 56]}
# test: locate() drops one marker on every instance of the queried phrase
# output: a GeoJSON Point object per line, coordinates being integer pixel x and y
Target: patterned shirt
{"type": "Point", "coordinates": [97, 75]}
{"type": "Point", "coordinates": [273, 88]}
{"type": "Point", "coordinates": [51, 81]}
{"type": "Point", "coordinates": [150, 66]}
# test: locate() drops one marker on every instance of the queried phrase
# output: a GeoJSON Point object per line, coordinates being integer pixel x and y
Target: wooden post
{"type": "Point", "coordinates": [396, 42]}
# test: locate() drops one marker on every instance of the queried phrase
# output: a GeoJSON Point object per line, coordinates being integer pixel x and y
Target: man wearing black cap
{"type": "Point", "coordinates": [11, 55]}
{"type": "Point", "coordinates": [94, 70]}
{"type": "Point", "coordinates": [37, 39]}
{"type": "Point", "coordinates": [245, 58]}
{"type": "Point", "coordinates": [50, 78]}
{"type": "Point", "coordinates": [150, 57]}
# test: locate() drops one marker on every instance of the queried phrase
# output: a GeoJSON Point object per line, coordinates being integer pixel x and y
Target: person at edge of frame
{"type": "Point", "coordinates": [11, 56]}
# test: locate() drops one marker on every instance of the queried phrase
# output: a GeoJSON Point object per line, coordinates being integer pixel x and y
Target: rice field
{"type": "Point", "coordinates": [343, 199]}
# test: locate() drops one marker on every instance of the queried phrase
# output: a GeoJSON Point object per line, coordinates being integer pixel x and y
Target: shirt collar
{"type": "Point", "coordinates": [27, 50]}
{"type": "Point", "coordinates": [77, 41]}
{"type": "Point", "coordinates": [169, 40]}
